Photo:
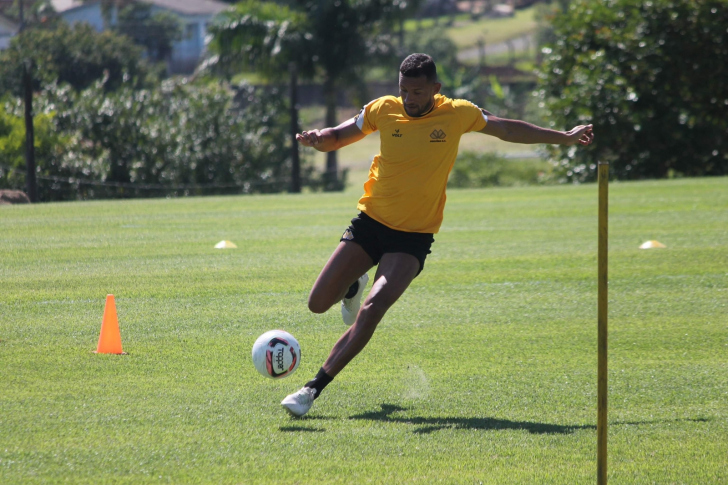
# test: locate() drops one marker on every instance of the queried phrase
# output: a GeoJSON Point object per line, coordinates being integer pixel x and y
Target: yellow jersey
{"type": "Point", "coordinates": [407, 179]}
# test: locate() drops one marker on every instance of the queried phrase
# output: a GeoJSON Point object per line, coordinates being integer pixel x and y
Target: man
{"type": "Point", "coordinates": [403, 202]}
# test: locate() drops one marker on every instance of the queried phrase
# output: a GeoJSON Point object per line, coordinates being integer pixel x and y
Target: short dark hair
{"type": "Point", "coordinates": [416, 65]}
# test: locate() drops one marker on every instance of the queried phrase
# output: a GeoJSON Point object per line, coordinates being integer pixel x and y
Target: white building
{"type": "Point", "coordinates": [195, 16]}
{"type": "Point", "coordinates": [8, 28]}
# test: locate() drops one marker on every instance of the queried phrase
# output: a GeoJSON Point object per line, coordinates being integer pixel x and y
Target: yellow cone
{"type": "Point", "coordinates": [225, 245]}
{"type": "Point", "coordinates": [652, 245]}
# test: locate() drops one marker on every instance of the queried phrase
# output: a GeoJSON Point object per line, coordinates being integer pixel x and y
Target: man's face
{"type": "Point", "coordinates": [418, 94]}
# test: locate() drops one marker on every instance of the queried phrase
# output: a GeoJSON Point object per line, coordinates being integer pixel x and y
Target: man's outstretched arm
{"type": "Point", "coordinates": [330, 139]}
{"type": "Point", "coordinates": [516, 131]}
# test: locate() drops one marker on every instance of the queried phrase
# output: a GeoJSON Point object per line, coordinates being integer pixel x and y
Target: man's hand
{"type": "Point", "coordinates": [330, 139]}
{"type": "Point", "coordinates": [582, 134]}
{"type": "Point", "coordinates": [516, 131]}
{"type": "Point", "coordinates": [311, 138]}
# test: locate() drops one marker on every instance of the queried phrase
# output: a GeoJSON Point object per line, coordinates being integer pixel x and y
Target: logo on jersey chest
{"type": "Point", "coordinates": [437, 136]}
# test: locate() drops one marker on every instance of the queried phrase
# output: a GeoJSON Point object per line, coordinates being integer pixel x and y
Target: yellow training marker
{"type": "Point", "coordinates": [652, 245]}
{"type": "Point", "coordinates": [225, 245]}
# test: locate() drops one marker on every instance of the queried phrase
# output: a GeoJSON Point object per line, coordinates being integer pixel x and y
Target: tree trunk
{"type": "Point", "coordinates": [30, 180]}
{"type": "Point", "coordinates": [31, 186]}
{"type": "Point", "coordinates": [295, 159]}
{"type": "Point", "coordinates": [332, 169]}
{"type": "Point", "coordinates": [401, 35]}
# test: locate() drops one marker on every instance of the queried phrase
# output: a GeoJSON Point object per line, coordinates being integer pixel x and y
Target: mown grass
{"type": "Point", "coordinates": [485, 371]}
{"type": "Point", "coordinates": [466, 32]}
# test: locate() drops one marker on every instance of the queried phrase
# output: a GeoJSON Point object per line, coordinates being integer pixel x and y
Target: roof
{"type": "Point", "coordinates": [63, 5]}
{"type": "Point", "coordinates": [186, 7]}
{"type": "Point", "coordinates": [191, 7]}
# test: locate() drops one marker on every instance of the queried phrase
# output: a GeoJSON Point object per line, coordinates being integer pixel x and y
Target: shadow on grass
{"type": "Point", "coordinates": [660, 421]}
{"type": "Point", "coordinates": [429, 425]}
{"type": "Point", "coordinates": [304, 429]}
{"type": "Point", "coordinates": [299, 429]}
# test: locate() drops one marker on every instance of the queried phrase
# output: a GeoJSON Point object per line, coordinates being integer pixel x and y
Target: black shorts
{"type": "Point", "coordinates": [377, 239]}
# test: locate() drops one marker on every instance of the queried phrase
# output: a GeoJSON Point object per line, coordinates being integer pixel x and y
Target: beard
{"type": "Point", "coordinates": [419, 111]}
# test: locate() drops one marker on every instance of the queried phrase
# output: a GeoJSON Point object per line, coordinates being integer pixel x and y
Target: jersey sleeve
{"type": "Point", "coordinates": [366, 120]}
{"type": "Point", "coordinates": [471, 117]}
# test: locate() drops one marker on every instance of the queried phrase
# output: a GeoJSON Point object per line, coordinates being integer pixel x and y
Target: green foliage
{"type": "Point", "coordinates": [38, 13]}
{"type": "Point", "coordinates": [337, 40]}
{"type": "Point", "coordinates": [156, 32]}
{"type": "Point", "coordinates": [178, 138]}
{"type": "Point", "coordinates": [47, 141]}
{"type": "Point", "coordinates": [262, 37]}
{"type": "Point", "coordinates": [75, 54]}
{"type": "Point", "coordinates": [350, 37]}
{"type": "Point", "coordinates": [544, 14]}
{"type": "Point", "coordinates": [474, 170]}
{"type": "Point", "coordinates": [651, 78]}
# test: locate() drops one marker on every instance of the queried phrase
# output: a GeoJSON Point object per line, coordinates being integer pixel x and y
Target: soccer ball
{"type": "Point", "coordinates": [276, 354]}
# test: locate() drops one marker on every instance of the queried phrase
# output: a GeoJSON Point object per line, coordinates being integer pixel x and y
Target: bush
{"type": "Point", "coordinates": [176, 139]}
{"type": "Point", "coordinates": [47, 144]}
{"type": "Point", "coordinates": [156, 32]}
{"type": "Point", "coordinates": [475, 170]}
{"type": "Point", "coordinates": [651, 77]}
{"type": "Point", "coordinates": [77, 55]}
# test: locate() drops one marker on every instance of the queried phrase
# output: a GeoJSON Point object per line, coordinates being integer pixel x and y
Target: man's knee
{"type": "Point", "coordinates": [317, 304]}
{"type": "Point", "coordinates": [377, 305]}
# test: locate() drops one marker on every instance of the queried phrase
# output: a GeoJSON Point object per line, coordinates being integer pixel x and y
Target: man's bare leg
{"type": "Point", "coordinates": [348, 262]}
{"type": "Point", "coordinates": [394, 275]}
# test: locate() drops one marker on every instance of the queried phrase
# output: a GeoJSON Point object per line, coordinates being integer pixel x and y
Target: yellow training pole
{"type": "Point", "coordinates": [602, 324]}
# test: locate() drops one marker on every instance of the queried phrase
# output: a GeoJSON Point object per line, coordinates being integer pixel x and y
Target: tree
{"type": "Point", "coordinates": [348, 37]}
{"type": "Point", "coordinates": [338, 40]}
{"type": "Point", "coordinates": [109, 8]}
{"type": "Point", "coordinates": [36, 12]}
{"type": "Point", "coordinates": [261, 37]}
{"type": "Point", "coordinates": [76, 54]}
{"type": "Point", "coordinates": [48, 143]}
{"type": "Point", "coordinates": [651, 76]}
{"type": "Point", "coordinates": [156, 32]}
{"type": "Point", "coordinates": [271, 40]}
{"type": "Point", "coordinates": [175, 138]}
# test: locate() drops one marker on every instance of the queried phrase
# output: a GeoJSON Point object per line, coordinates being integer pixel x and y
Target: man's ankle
{"type": "Point", "coordinates": [319, 382]}
{"type": "Point", "coordinates": [352, 290]}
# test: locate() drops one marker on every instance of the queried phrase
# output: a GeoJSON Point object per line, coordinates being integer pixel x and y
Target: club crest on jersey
{"type": "Point", "coordinates": [348, 235]}
{"type": "Point", "coordinates": [437, 136]}
{"type": "Point", "coordinates": [396, 134]}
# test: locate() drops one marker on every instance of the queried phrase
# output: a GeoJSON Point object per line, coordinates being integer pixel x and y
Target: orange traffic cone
{"type": "Point", "coordinates": [110, 338]}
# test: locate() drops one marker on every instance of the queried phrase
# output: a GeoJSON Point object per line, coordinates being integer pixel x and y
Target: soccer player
{"type": "Point", "coordinates": [403, 202]}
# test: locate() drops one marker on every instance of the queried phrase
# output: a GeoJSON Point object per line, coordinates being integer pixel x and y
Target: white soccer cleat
{"type": "Point", "coordinates": [350, 306]}
{"type": "Point", "coordinates": [298, 403]}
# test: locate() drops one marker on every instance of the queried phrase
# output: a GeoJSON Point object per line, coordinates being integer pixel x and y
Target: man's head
{"type": "Point", "coordinates": [418, 84]}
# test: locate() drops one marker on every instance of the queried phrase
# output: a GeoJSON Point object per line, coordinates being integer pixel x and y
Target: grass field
{"type": "Point", "coordinates": [484, 372]}
{"type": "Point", "coordinates": [466, 32]}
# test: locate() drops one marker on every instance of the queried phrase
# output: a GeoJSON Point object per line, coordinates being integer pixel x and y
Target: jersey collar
{"type": "Point", "coordinates": [439, 99]}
